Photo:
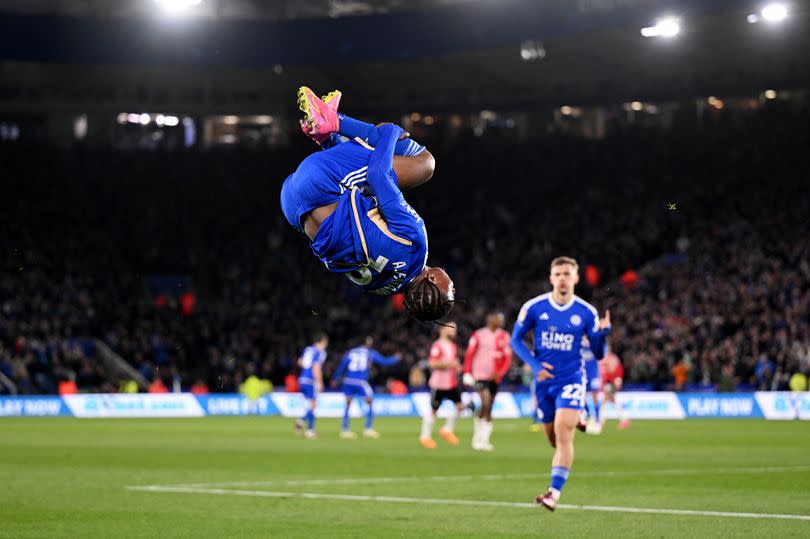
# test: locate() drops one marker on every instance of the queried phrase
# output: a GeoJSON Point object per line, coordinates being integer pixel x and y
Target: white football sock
{"type": "Point", "coordinates": [487, 431]}
{"type": "Point", "coordinates": [427, 426]}
{"type": "Point", "coordinates": [450, 424]}
{"type": "Point", "coordinates": [476, 431]}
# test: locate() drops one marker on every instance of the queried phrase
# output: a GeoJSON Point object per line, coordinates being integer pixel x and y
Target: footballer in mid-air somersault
{"type": "Point", "coordinates": [348, 201]}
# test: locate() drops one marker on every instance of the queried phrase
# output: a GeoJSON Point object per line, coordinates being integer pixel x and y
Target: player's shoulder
{"type": "Point", "coordinates": [536, 302]}
{"type": "Point", "coordinates": [582, 304]}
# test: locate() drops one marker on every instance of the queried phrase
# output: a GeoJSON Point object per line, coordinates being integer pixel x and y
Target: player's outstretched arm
{"type": "Point", "coordinates": [384, 360]}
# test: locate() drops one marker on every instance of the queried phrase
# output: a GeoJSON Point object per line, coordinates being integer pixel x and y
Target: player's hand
{"type": "Point", "coordinates": [545, 374]}
{"type": "Point", "coordinates": [604, 322]}
{"type": "Point", "coordinates": [404, 134]}
{"type": "Point", "coordinates": [468, 380]}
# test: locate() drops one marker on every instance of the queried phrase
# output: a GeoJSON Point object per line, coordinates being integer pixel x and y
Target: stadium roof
{"type": "Point", "coordinates": [450, 57]}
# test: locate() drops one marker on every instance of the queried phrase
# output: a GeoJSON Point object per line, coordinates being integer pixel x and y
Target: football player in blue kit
{"type": "Point", "coordinates": [347, 199]}
{"type": "Point", "coordinates": [310, 381]}
{"type": "Point", "coordinates": [353, 372]}
{"type": "Point", "coordinates": [593, 382]}
{"type": "Point", "coordinates": [558, 321]}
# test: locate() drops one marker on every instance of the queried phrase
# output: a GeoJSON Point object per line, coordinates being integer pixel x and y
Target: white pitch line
{"type": "Point", "coordinates": [475, 503]}
{"type": "Point", "coordinates": [491, 477]}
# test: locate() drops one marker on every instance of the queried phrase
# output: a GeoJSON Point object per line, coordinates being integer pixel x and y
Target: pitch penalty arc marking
{"type": "Point", "coordinates": [474, 503]}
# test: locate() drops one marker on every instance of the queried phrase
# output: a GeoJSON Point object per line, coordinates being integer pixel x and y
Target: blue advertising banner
{"type": "Point", "coordinates": [33, 407]}
{"type": "Point", "coordinates": [232, 404]}
{"type": "Point", "coordinates": [720, 405]}
{"type": "Point", "coordinates": [636, 404]}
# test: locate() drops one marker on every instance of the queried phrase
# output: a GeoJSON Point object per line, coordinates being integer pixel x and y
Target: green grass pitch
{"type": "Point", "coordinates": [62, 478]}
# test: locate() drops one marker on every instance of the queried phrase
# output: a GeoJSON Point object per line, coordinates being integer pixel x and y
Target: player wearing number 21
{"type": "Point", "coordinates": [558, 321]}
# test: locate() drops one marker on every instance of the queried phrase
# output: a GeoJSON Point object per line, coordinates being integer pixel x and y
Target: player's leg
{"type": "Point", "coordinates": [564, 427]}
{"type": "Point", "coordinates": [546, 412]}
{"type": "Point", "coordinates": [568, 403]}
{"type": "Point", "coordinates": [303, 422]}
{"type": "Point", "coordinates": [309, 417]}
{"type": "Point", "coordinates": [426, 436]}
{"type": "Point", "coordinates": [369, 431]}
{"type": "Point", "coordinates": [595, 419]}
{"type": "Point", "coordinates": [624, 421]}
{"type": "Point", "coordinates": [345, 432]}
{"type": "Point", "coordinates": [413, 164]}
{"type": "Point", "coordinates": [487, 425]}
{"type": "Point", "coordinates": [548, 428]}
{"type": "Point", "coordinates": [448, 430]}
{"type": "Point", "coordinates": [480, 425]}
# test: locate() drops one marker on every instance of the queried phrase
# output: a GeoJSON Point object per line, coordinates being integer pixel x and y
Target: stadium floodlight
{"type": "Point", "coordinates": [774, 12]}
{"type": "Point", "coordinates": [636, 105]}
{"type": "Point", "coordinates": [566, 110]}
{"type": "Point", "coordinates": [177, 6]}
{"type": "Point", "coordinates": [664, 27]}
{"type": "Point", "coordinates": [532, 50]}
{"type": "Point", "coordinates": [171, 121]}
{"type": "Point", "coordinates": [144, 118]}
{"type": "Point", "coordinates": [771, 13]}
{"type": "Point", "coordinates": [770, 94]}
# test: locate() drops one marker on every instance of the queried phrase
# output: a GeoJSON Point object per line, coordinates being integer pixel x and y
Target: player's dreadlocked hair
{"type": "Point", "coordinates": [426, 303]}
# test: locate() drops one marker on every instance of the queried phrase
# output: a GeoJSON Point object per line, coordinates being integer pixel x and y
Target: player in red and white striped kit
{"type": "Point", "coordinates": [612, 377]}
{"type": "Point", "coordinates": [488, 358]}
{"type": "Point", "coordinates": [443, 383]}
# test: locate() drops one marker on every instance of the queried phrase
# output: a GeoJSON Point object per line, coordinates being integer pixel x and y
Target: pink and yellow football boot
{"type": "Point", "coordinates": [320, 114]}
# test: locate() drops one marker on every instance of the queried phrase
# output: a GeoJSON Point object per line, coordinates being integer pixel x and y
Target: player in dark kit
{"type": "Point", "coordinates": [348, 201]}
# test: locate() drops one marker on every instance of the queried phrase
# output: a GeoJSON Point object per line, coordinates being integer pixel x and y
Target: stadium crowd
{"type": "Point", "coordinates": [711, 223]}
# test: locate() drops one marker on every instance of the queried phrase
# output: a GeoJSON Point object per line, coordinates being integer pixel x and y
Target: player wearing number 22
{"type": "Point", "coordinates": [558, 321]}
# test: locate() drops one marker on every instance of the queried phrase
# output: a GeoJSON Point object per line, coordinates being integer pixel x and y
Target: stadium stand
{"type": "Point", "coordinates": [183, 264]}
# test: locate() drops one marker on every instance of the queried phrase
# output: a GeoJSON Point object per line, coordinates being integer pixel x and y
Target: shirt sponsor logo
{"type": "Point", "coordinates": [553, 340]}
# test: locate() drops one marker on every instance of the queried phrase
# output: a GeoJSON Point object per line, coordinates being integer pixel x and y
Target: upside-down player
{"type": "Point", "coordinates": [612, 379]}
{"type": "Point", "coordinates": [486, 361]}
{"type": "Point", "coordinates": [356, 364]}
{"type": "Point", "coordinates": [310, 380]}
{"type": "Point", "coordinates": [558, 320]}
{"type": "Point", "coordinates": [443, 384]}
{"type": "Point", "coordinates": [348, 201]}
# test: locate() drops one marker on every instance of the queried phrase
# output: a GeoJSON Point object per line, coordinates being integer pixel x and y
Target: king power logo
{"type": "Point", "coordinates": [553, 340]}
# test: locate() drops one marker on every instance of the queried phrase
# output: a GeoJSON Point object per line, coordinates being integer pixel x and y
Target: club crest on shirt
{"type": "Point", "coordinates": [575, 320]}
